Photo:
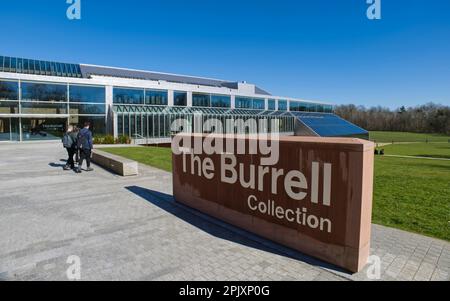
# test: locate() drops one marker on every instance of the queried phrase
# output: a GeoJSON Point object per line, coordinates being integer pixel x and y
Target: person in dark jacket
{"type": "Point", "coordinates": [70, 144]}
{"type": "Point", "coordinates": [85, 146]}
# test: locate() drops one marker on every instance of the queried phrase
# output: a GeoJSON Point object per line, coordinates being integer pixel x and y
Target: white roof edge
{"type": "Point", "coordinates": [157, 72]}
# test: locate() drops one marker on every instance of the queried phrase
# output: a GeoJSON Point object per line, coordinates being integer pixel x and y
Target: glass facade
{"type": "Point", "coordinates": [9, 90]}
{"type": "Point", "coordinates": [43, 128]}
{"type": "Point", "coordinates": [155, 97]}
{"type": "Point", "coordinates": [9, 129]}
{"type": "Point", "coordinates": [87, 109]}
{"type": "Point", "coordinates": [9, 107]}
{"type": "Point", "coordinates": [271, 105]}
{"type": "Point", "coordinates": [282, 105]}
{"type": "Point", "coordinates": [201, 100]}
{"type": "Point", "coordinates": [98, 123]}
{"type": "Point", "coordinates": [128, 96]}
{"type": "Point", "coordinates": [87, 94]}
{"type": "Point", "coordinates": [220, 101]}
{"type": "Point", "coordinates": [180, 99]}
{"type": "Point", "coordinates": [250, 103]}
{"type": "Point", "coordinates": [27, 66]}
{"type": "Point", "coordinates": [43, 92]}
{"type": "Point", "coordinates": [298, 106]}
{"type": "Point", "coordinates": [43, 108]}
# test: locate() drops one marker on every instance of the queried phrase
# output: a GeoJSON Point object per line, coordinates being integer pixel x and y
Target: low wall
{"type": "Point", "coordinates": [316, 199]}
{"type": "Point", "coordinates": [116, 164]}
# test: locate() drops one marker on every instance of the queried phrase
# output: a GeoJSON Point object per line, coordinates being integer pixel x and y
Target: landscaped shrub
{"type": "Point", "coordinates": [123, 140]}
{"type": "Point", "coordinates": [109, 139]}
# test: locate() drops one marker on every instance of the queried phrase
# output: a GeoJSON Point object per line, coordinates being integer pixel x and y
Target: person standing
{"type": "Point", "coordinates": [70, 144]}
{"type": "Point", "coordinates": [85, 146]}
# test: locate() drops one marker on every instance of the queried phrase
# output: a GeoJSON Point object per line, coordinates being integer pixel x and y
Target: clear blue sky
{"type": "Point", "coordinates": [318, 49]}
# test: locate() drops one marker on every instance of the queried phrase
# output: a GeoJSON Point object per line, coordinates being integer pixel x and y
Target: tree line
{"type": "Point", "coordinates": [428, 118]}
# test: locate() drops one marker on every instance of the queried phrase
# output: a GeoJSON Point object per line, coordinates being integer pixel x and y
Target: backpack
{"type": "Point", "coordinates": [67, 141]}
{"type": "Point", "coordinates": [82, 140]}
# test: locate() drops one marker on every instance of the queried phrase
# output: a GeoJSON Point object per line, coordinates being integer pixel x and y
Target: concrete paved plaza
{"type": "Point", "coordinates": [130, 229]}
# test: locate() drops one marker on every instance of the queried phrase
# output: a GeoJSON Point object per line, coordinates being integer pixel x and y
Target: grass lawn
{"type": "Point", "coordinates": [409, 194]}
{"type": "Point", "coordinates": [158, 157]}
{"type": "Point", "coordinates": [430, 150]}
{"type": "Point", "coordinates": [388, 137]}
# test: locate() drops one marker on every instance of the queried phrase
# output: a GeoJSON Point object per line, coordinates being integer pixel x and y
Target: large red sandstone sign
{"type": "Point", "coordinates": [317, 198]}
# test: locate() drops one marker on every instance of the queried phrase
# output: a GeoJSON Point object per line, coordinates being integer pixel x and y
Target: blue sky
{"type": "Point", "coordinates": [318, 49]}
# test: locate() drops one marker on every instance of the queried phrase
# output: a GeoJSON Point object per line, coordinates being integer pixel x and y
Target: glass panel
{"type": "Point", "coordinates": [43, 128]}
{"type": "Point", "coordinates": [9, 90]}
{"type": "Point", "coordinates": [26, 66]}
{"type": "Point", "coordinates": [98, 123]}
{"type": "Point", "coordinates": [44, 92]}
{"type": "Point", "coordinates": [9, 129]}
{"type": "Point", "coordinates": [180, 99]}
{"type": "Point", "coordinates": [13, 64]}
{"type": "Point", "coordinates": [43, 108]}
{"type": "Point", "coordinates": [2, 60]}
{"type": "Point", "coordinates": [87, 109]}
{"type": "Point", "coordinates": [243, 102]}
{"type": "Point", "coordinates": [298, 106]}
{"type": "Point", "coordinates": [87, 94]}
{"type": "Point", "coordinates": [201, 100]}
{"type": "Point", "coordinates": [19, 65]}
{"type": "Point", "coordinates": [220, 101]}
{"type": "Point", "coordinates": [154, 97]}
{"type": "Point", "coordinates": [282, 105]}
{"type": "Point", "coordinates": [7, 64]}
{"type": "Point", "coordinates": [32, 70]}
{"type": "Point", "coordinates": [259, 104]}
{"type": "Point", "coordinates": [128, 96]}
{"type": "Point", "coordinates": [9, 107]}
{"type": "Point", "coordinates": [271, 105]}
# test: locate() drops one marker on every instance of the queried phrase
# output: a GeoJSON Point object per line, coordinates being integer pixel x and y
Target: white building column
{"type": "Point", "coordinates": [110, 118]}
{"type": "Point", "coordinates": [233, 101]}
{"type": "Point", "coordinates": [189, 99]}
{"type": "Point", "coordinates": [170, 98]}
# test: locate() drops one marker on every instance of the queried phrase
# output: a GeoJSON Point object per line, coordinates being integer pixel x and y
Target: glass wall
{"type": "Point", "coordinates": [282, 105]}
{"type": "Point", "coordinates": [155, 97]}
{"type": "Point", "coordinates": [259, 104]}
{"type": "Point", "coordinates": [250, 103]}
{"type": "Point", "coordinates": [128, 96]}
{"type": "Point", "coordinates": [9, 107]}
{"type": "Point", "coordinates": [201, 100]}
{"type": "Point", "coordinates": [87, 103]}
{"type": "Point", "coordinates": [43, 128]}
{"type": "Point", "coordinates": [272, 105]}
{"type": "Point", "coordinates": [32, 91]}
{"type": "Point", "coordinates": [43, 108]}
{"type": "Point", "coordinates": [180, 99]}
{"type": "Point", "coordinates": [9, 129]}
{"type": "Point", "coordinates": [27, 66]}
{"type": "Point", "coordinates": [9, 90]}
{"type": "Point", "coordinates": [87, 94]}
{"type": "Point", "coordinates": [220, 101]}
{"type": "Point", "coordinates": [243, 102]}
{"type": "Point", "coordinates": [98, 123]}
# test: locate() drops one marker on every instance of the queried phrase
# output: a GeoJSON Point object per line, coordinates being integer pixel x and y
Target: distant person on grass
{"type": "Point", "coordinates": [70, 142]}
{"type": "Point", "coordinates": [85, 147]}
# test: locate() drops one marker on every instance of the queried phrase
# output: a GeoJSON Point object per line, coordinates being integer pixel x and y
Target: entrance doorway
{"type": "Point", "coordinates": [43, 128]}
{"type": "Point", "coordinates": [9, 129]}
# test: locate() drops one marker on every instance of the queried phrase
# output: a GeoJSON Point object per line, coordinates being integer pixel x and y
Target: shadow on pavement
{"type": "Point", "coordinates": [223, 230]}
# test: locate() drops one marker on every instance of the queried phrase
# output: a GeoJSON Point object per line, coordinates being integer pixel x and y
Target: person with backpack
{"type": "Point", "coordinates": [69, 141]}
{"type": "Point", "coordinates": [85, 146]}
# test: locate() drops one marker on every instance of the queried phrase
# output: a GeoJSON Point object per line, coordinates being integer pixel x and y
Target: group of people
{"type": "Point", "coordinates": [78, 142]}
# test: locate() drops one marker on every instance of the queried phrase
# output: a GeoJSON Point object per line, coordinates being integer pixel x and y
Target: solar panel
{"type": "Point", "coordinates": [329, 125]}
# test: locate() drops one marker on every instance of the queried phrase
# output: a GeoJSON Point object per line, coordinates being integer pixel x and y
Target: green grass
{"type": "Point", "coordinates": [409, 194]}
{"type": "Point", "coordinates": [430, 150]}
{"type": "Point", "coordinates": [158, 157]}
{"type": "Point", "coordinates": [413, 195]}
{"type": "Point", "coordinates": [388, 137]}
